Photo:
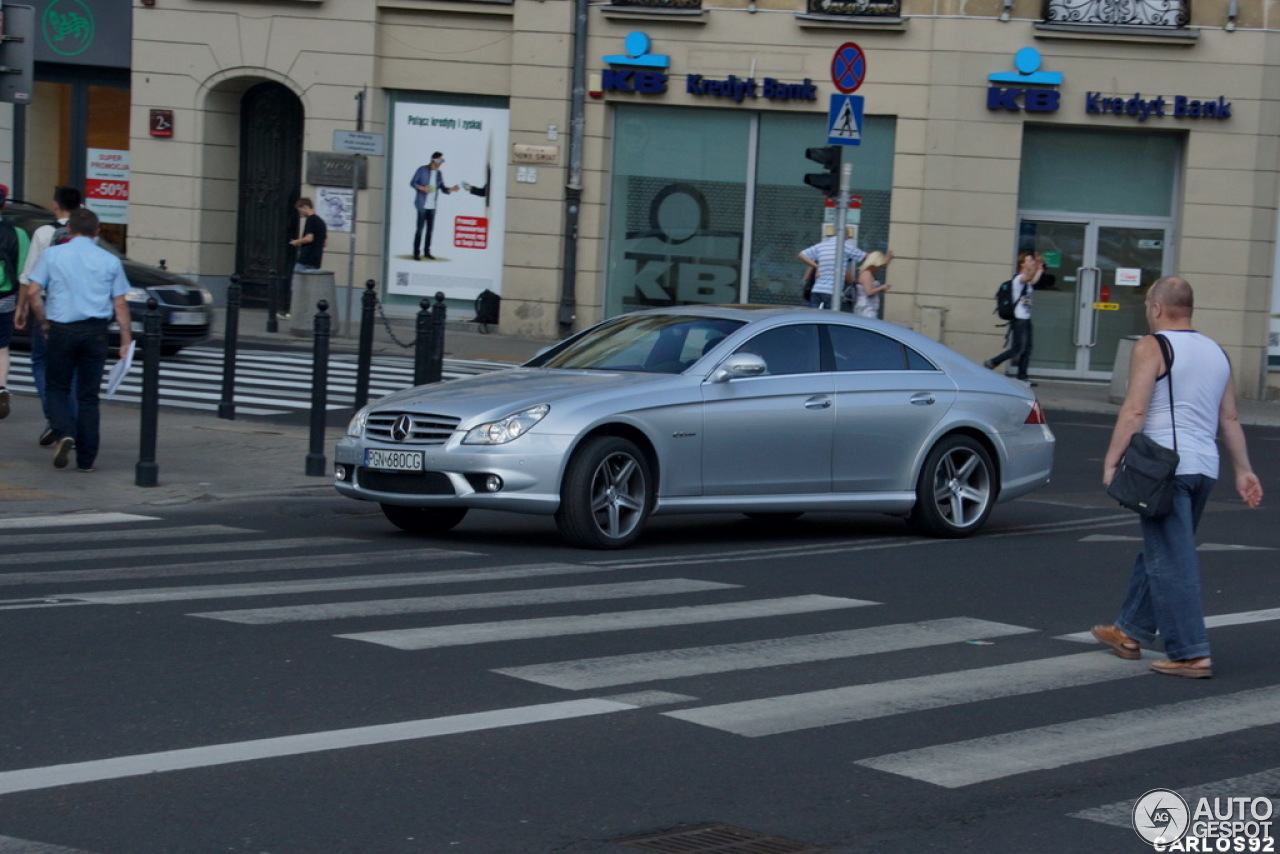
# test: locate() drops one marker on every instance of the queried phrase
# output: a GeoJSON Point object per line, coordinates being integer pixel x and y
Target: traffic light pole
{"type": "Point", "coordinates": [842, 217]}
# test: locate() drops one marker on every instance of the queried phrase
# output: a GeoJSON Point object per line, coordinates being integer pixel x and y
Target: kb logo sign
{"type": "Point", "coordinates": [1019, 96]}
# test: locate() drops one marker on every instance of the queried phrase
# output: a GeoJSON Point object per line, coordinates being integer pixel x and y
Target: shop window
{"type": "Point", "coordinates": [855, 8]}
{"type": "Point", "coordinates": [658, 4]}
{"type": "Point", "coordinates": [1155, 14]}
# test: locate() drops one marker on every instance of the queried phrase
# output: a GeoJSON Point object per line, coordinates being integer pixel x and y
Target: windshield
{"type": "Point", "coordinates": [652, 343]}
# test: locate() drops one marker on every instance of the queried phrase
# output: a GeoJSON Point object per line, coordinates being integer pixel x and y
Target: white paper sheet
{"type": "Point", "coordinates": [120, 369]}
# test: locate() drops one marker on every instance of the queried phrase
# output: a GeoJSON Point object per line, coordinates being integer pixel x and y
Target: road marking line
{"type": "Point", "coordinates": [322, 585]}
{"type": "Point", "coordinates": [1120, 813]}
{"type": "Point", "coordinates": [227, 567]}
{"type": "Point", "coordinates": [602, 672]}
{"type": "Point", "coordinates": [10, 845]}
{"type": "Point", "coordinates": [133, 535]}
{"type": "Point", "coordinates": [470, 633]}
{"type": "Point", "coordinates": [1239, 618]}
{"type": "Point", "coordinates": [31, 779]}
{"type": "Point", "coordinates": [793, 712]}
{"type": "Point", "coordinates": [464, 601]}
{"type": "Point", "coordinates": [978, 760]}
{"type": "Point", "coordinates": [73, 520]}
{"type": "Point", "coordinates": [152, 551]}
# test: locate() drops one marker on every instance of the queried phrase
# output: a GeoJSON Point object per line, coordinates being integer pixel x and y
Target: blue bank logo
{"type": "Point", "coordinates": [637, 70]}
{"type": "Point", "coordinates": [1024, 94]}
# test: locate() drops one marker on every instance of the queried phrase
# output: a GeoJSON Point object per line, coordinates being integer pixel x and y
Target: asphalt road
{"type": "Point", "coordinates": [296, 677]}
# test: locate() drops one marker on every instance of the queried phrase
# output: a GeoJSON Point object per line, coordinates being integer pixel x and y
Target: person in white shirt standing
{"type": "Point", "coordinates": [1164, 586]}
{"type": "Point", "coordinates": [1030, 268]}
{"type": "Point", "coordinates": [821, 259]}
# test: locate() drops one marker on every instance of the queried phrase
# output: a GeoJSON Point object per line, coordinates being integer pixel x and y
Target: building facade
{"type": "Point", "coordinates": [592, 158]}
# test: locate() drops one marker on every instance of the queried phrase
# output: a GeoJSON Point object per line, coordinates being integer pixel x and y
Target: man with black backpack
{"type": "Point", "coordinates": [1013, 303]}
{"type": "Point", "coordinates": [13, 251]}
{"type": "Point", "coordinates": [66, 201]}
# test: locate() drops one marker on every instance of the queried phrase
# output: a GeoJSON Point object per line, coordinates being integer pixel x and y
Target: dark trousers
{"type": "Point", "coordinates": [427, 220]}
{"type": "Point", "coordinates": [77, 354]}
{"type": "Point", "coordinates": [1019, 347]}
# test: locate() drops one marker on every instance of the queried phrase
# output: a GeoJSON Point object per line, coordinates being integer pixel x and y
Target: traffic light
{"type": "Point", "coordinates": [828, 181]}
{"type": "Point", "coordinates": [17, 53]}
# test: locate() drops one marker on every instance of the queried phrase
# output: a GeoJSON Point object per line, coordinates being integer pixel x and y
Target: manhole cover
{"type": "Point", "coordinates": [716, 839]}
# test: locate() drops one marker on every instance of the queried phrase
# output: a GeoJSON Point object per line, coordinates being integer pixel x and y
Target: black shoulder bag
{"type": "Point", "coordinates": [1143, 481]}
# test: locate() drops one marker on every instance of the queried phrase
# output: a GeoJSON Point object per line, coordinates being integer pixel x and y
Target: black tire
{"type": "Point", "coordinates": [423, 520]}
{"type": "Point", "coordinates": [956, 490]}
{"type": "Point", "coordinates": [171, 349]}
{"type": "Point", "coordinates": [606, 495]}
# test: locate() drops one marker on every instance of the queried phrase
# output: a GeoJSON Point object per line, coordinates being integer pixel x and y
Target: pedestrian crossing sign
{"type": "Point", "coordinates": [844, 126]}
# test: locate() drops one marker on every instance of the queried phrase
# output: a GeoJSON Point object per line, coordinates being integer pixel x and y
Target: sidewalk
{"type": "Point", "coordinates": [203, 458]}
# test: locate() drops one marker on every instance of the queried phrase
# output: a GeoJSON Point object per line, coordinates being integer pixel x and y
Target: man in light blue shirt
{"type": "Point", "coordinates": [76, 290]}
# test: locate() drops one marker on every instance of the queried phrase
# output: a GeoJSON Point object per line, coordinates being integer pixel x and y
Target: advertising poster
{"type": "Point", "coordinates": [446, 197]}
{"type": "Point", "coordinates": [106, 184]}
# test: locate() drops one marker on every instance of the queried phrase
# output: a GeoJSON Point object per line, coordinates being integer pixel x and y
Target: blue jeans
{"type": "Point", "coordinates": [77, 353]}
{"type": "Point", "coordinates": [427, 223]}
{"type": "Point", "coordinates": [1019, 347]}
{"type": "Point", "coordinates": [817, 300]}
{"type": "Point", "coordinates": [1164, 588]}
{"type": "Point", "coordinates": [39, 358]}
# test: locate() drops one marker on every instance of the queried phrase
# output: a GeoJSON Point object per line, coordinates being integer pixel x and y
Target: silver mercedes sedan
{"type": "Point", "coordinates": [760, 410]}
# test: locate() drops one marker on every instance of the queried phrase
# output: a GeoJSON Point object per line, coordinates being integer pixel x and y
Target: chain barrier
{"type": "Point", "coordinates": [386, 323]}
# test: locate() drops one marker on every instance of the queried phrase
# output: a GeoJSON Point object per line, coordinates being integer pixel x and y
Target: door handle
{"type": "Point", "coordinates": [819, 402]}
{"type": "Point", "coordinates": [923, 399]}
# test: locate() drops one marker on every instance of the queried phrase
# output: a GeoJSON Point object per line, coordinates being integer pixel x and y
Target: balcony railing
{"type": "Point", "coordinates": [658, 4]}
{"type": "Point", "coordinates": [1168, 14]}
{"type": "Point", "coordinates": [856, 8]}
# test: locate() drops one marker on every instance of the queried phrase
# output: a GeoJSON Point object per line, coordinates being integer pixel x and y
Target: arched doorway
{"type": "Point", "coordinates": [270, 175]}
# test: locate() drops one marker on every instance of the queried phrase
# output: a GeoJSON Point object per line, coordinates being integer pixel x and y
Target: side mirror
{"type": "Point", "coordinates": [739, 365]}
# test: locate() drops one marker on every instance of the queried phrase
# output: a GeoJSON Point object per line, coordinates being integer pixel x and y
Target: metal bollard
{"type": "Point", "coordinates": [364, 356]}
{"type": "Point", "coordinates": [147, 473]}
{"type": "Point", "coordinates": [273, 302]}
{"type": "Point", "coordinates": [435, 357]}
{"type": "Point", "coordinates": [227, 405]}
{"type": "Point", "coordinates": [421, 345]}
{"type": "Point", "coordinates": [319, 391]}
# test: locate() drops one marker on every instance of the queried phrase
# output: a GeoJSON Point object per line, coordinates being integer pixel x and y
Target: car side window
{"type": "Point", "coordinates": [787, 349]}
{"type": "Point", "coordinates": [865, 350]}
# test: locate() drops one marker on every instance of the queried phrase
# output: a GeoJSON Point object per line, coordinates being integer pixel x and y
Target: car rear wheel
{"type": "Point", "coordinates": [423, 520]}
{"type": "Point", "coordinates": [606, 495]}
{"type": "Point", "coordinates": [956, 490]}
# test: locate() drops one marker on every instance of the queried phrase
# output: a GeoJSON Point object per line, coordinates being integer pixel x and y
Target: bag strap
{"type": "Point", "coordinates": [1166, 350]}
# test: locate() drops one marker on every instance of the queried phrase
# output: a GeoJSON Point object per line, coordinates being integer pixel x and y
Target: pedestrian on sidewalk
{"type": "Point", "coordinates": [66, 201]}
{"type": "Point", "coordinates": [13, 251]}
{"type": "Point", "coordinates": [76, 289]}
{"type": "Point", "coordinates": [820, 261]}
{"type": "Point", "coordinates": [1164, 586]}
{"type": "Point", "coordinates": [1018, 339]}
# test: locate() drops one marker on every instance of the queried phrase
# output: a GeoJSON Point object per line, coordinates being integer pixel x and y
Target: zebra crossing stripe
{"type": "Point", "coordinates": [72, 520]}
{"type": "Point", "coordinates": [1120, 813]}
{"type": "Point", "coordinates": [464, 601]}
{"type": "Point", "coordinates": [471, 633]}
{"type": "Point", "coordinates": [228, 567]}
{"type": "Point", "coordinates": [978, 760]}
{"type": "Point", "coordinates": [602, 672]}
{"type": "Point", "coordinates": [10, 845]}
{"type": "Point", "coordinates": [133, 535]}
{"type": "Point", "coordinates": [1216, 621]}
{"type": "Point", "coordinates": [775, 715]}
{"type": "Point", "coordinates": [32, 779]}
{"type": "Point", "coordinates": [152, 551]}
{"type": "Point", "coordinates": [321, 585]}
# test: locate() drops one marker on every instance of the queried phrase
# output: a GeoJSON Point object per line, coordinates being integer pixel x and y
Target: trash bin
{"type": "Point", "coordinates": [309, 287]}
{"type": "Point", "coordinates": [1120, 368]}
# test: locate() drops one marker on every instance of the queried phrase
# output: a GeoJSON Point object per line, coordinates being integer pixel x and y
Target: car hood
{"type": "Point", "coordinates": [500, 393]}
{"type": "Point", "coordinates": [145, 276]}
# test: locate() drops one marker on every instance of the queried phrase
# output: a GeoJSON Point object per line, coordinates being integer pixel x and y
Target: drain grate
{"type": "Point", "coordinates": [716, 839]}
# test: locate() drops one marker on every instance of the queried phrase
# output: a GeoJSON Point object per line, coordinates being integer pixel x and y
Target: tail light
{"type": "Point", "coordinates": [1036, 415]}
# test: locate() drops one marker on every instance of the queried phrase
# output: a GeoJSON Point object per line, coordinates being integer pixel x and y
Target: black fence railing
{"type": "Point", "coordinates": [856, 8]}
{"type": "Point", "coordinates": [659, 4]}
{"type": "Point", "coordinates": [1166, 14]}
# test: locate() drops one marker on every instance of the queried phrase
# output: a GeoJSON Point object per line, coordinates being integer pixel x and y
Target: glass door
{"type": "Point", "coordinates": [1097, 272]}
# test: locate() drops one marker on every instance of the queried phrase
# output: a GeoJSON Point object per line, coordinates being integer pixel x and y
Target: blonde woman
{"type": "Point", "coordinates": [867, 290]}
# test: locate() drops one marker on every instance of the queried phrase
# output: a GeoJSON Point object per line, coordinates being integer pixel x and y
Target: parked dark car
{"type": "Point", "coordinates": [186, 308]}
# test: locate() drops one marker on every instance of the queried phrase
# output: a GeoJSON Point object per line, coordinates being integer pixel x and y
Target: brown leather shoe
{"type": "Point", "coordinates": [1191, 668]}
{"type": "Point", "coordinates": [1121, 644]}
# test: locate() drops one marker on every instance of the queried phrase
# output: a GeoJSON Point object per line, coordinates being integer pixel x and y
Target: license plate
{"type": "Point", "coordinates": [376, 458]}
{"type": "Point", "coordinates": [187, 318]}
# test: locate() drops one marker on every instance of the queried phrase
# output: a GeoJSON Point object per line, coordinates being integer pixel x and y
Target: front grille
{"type": "Point", "coordinates": [425, 430]}
{"type": "Point", "coordinates": [178, 296]}
{"type": "Point", "coordinates": [404, 483]}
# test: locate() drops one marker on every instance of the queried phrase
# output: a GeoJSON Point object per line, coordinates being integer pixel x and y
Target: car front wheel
{"type": "Point", "coordinates": [956, 490]}
{"type": "Point", "coordinates": [606, 495]}
{"type": "Point", "coordinates": [423, 520]}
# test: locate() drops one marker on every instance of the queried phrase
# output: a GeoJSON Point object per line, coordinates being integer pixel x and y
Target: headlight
{"type": "Point", "coordinates": [356, 426]}
{"type": "Point", "coordinates": [137, 295]}
{"type": "Point", "coordinates": [505, 430]}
